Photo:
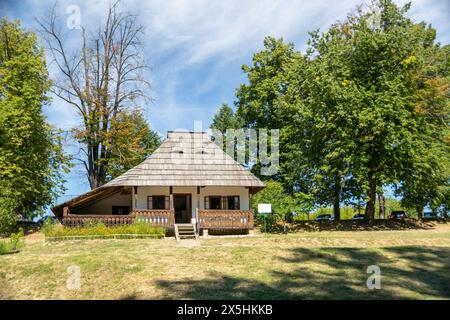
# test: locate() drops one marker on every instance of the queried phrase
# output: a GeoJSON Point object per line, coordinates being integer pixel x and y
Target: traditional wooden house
{"type": "Point", "coordinates": [188, 181]}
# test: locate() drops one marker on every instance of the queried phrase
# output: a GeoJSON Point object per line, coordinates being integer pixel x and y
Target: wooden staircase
{"type": "Point", "coordinates": [185, 231]}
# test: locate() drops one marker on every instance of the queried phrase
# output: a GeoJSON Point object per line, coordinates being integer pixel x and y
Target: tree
{"type": "Point", "coordinates": [225, 119]}
{"type": "Point", "coordinates": [427, 180]}
{"type": "Point", "coordinates": [366, 107]}
{"type": "Point", "coordinates": [131, 142]}
{"type": "Point", "coordinates": [102, 80]}
{"type": "Point", "coordinates": [31, 158]}
{"type": "Point", "coordinates": [358, 126]}
{"type": "Point", "coordinates": [389, 63]}
{"type": "Point", "coordinates": [261, 102]}
{"type": "Point", "coordinates": [320, 129]}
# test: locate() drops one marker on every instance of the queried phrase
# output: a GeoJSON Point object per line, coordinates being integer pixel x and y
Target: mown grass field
{"type": "Point", "coordinates": [415, 264]}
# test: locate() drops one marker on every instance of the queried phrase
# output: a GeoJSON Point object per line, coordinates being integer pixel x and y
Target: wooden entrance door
{"type": "Point", "coordinates": [182, 205]}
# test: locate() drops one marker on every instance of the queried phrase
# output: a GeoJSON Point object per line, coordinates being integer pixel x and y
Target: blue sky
{"type": "Point", "coordinates": [196, 49]}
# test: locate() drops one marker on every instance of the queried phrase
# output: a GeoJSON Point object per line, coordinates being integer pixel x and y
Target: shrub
{"type": "Point", "coordinates": [47, 225]}
{"type": "Point", "coordinates": [16, 241]}
{"type": "Point", "coordinates": [100, 229]}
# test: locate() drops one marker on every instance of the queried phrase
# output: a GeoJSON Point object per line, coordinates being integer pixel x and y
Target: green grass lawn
{"type": "Point", "coordinates": [415, 264]}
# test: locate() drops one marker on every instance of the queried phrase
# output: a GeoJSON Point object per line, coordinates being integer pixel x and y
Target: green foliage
{"type": "Point", "coordinates": [225, 119]}
{"type": "Point", "coordinates": [100, 229]}
{"type": "Point", "coordinates": [47, 225]}
{"type": "Point", "coordinates": [16, 242]}
{"type": "Point", "coordinates": [130, 140]}
{"type": "Point", "coordinates": [8, 218]}
{"type": "Point", "coordinates": [366, 107]}
{"type": "Point", "coordinates": [31, 158]}
{"type": "Point", "coordinates": [282, 203]}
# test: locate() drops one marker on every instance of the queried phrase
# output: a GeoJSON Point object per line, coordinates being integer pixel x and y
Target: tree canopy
{"type": "Point", "coordinates": [365, 107]}
{"type": "Point", "coordinates": [31, 158]}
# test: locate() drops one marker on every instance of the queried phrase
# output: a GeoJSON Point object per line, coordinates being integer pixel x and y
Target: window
{"type": "Point", "coordinates": [213, 202]}
{"type": "Point", "coordinates": [219, 202]}
{"type": "Point", "coordinates": [157, 202]}
{"type": "Point", "coordinates": [120, 210]}
{"type": "Point", "coordinates": [233, 203]}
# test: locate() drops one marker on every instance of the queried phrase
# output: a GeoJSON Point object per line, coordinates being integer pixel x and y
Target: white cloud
{"type": "Point", "coordinates": [196, 43]}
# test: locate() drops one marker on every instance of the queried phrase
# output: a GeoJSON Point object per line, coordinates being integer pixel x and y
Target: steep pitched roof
{"type": "Point", "coordinates": [188, 159]}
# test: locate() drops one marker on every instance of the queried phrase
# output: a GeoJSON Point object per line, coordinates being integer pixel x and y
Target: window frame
{"type": "Point", "coordinates": [151, 199]}
{"type": "Point", "coordinates": [208, 202]}
{"type": "Point", "coordinates": [238, 202]}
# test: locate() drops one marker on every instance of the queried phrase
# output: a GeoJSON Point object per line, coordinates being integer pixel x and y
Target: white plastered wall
{"type": "Point", "coordinates": [197, 200]}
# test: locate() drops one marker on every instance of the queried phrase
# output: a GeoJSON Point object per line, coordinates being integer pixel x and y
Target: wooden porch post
{"type": "Point", "coordinates": [134, 197]}
{"type": "Point", "coordinates": [171, 198]}
{"type": "Point", "coordinates": [198, 204]}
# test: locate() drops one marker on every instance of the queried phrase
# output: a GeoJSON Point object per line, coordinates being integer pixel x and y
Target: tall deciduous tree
{"type": "Point", "coordinates": [366, 107]}
{"type": "Point", "coordinates": [102, 80]}
{"type": "Point", "coordinates": [31, 160]}
{"type": "Point", "coordinates": [389, 60]}
{"type": "Point", "coordinates": [261, 102]}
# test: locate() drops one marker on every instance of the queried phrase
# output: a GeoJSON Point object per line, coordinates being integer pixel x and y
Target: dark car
{"type": "Point", "coordinates": [359, 216]}
{"type": "Point", "coordinates": [324, 217]}
{"type": "Point", "coordinates": [398, 215]}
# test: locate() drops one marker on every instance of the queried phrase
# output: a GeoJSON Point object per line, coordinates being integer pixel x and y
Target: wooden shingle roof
{"type": "Point", "coordinates": [188, 159]}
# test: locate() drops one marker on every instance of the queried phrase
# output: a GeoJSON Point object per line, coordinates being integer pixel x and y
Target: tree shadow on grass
{"type": "Point", "coordinates": [331, 273]}
{"type": "Point", "coordinates": [406, 272]}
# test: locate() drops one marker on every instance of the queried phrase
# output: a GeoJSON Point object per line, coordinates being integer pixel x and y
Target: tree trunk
{"type": "Point", "coordinates": [420, 212]}
{"type": "Point", "coordinates": [420, 206]}
{"type": "Point", "coordinates": [370, 210]}
{"type": "Point", "coordinates": [337, 198]}
{"type": "Point", "coordinates": [381, 204]}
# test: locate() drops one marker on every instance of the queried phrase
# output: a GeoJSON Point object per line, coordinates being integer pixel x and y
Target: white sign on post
{"type": "Point", "coordinates": [264, 208]}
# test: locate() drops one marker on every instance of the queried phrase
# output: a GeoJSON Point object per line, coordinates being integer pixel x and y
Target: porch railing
{"type": "Point", "coordinates": [158, 218]}
{"type": "Point", "coordinates": [207, 219]}
{"type": "Point", "coordinates": [225, 219]}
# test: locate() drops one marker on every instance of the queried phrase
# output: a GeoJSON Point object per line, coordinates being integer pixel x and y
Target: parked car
{"type": "Point", "coordinates": [359, 216]}
{"type": "Point", "coordinates": [324, 217]}
{"type": "Point", "coordinates": [398, 215]}
{"type": "Point", "coordinates": [429, 215]}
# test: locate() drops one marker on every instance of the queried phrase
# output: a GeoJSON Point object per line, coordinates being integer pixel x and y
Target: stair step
{"type": "Point", "coordinates": [185, 230]}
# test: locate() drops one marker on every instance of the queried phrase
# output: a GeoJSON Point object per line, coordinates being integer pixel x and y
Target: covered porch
{"type": "Point", "coordinates": [207, 219]}
{"type": "Point", "coordinates": [207, 208]}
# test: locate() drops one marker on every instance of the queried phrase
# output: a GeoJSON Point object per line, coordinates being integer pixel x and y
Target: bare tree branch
{"type": "Point", "coordinates": [102, 78]}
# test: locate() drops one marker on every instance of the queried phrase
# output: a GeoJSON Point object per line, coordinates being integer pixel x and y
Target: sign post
{"type": "Point", "coordinates": [265, 209]}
